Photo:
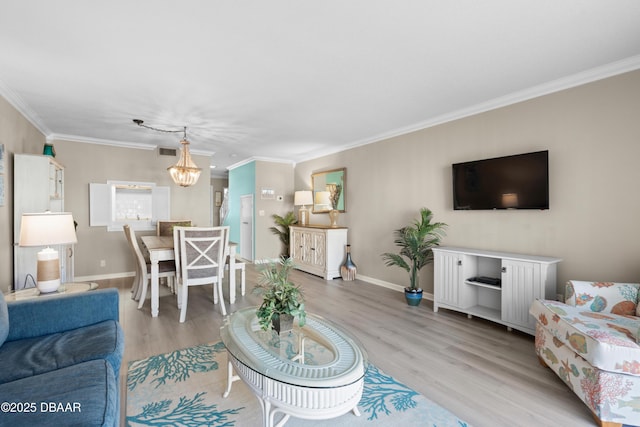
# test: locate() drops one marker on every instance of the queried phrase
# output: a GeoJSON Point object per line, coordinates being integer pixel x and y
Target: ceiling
{"type": "Point", "coordinates": [297, 79]}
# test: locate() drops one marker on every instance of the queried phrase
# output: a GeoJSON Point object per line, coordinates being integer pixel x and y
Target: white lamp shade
{"type": "Point", "coordinates": [49, 228]}
{"type": "Point", "coordinates": [304, 197]}
{"type": "Point", "coordinates": [323, 198]}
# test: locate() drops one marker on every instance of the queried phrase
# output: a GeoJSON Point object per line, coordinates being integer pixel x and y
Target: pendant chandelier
{"type": "Point", "coordinates": [185, 173]}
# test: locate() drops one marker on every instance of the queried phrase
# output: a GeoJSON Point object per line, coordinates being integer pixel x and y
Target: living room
{"type": "Point", "coordinates": [588, 124]}
{"type": "Point", "coordinates": [590, 132]}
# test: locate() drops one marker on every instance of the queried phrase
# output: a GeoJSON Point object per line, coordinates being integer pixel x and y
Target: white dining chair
{"type": "Point", "coordinates": [143, 269]}
{"type": "Point", "coordinates": [200, 257]}
{"type": "Point", "coordinates": [165, 227]}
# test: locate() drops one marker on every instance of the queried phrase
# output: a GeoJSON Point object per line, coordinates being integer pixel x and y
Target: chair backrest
{"type": "Point", "coordinates": [165, 228]}
{"type": "Point", "coordinates": [202, 253]}
{"type": "Point", "coordinates": [135, 249]}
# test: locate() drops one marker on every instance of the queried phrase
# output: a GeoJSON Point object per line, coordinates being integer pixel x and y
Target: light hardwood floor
{"type": "Point", "coordinates": [478, 370]}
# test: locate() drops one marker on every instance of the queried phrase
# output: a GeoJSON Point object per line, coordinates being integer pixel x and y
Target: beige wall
{"type": "Point", "coordinates": [86, 163]}
{"type": "Point", "coordinates": [592, 133]}
{"type": "Point", "coordinates": [278, 176]}
{"type": "Point", "coordinates": [18, 136]}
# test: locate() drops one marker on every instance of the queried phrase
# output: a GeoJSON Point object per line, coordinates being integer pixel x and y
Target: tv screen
{"type": "Point", "coordinates": [512, 182]}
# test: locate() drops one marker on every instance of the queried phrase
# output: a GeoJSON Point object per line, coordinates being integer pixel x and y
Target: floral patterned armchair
{"type": "Point", "coordinates": [591, 343]}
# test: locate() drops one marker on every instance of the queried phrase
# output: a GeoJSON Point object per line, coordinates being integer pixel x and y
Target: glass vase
{"type": "Point", "coordinates": [348, 270]}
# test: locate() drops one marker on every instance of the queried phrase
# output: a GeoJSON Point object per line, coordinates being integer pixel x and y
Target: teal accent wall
{"type": "Point", "coordinates": [242, 181]}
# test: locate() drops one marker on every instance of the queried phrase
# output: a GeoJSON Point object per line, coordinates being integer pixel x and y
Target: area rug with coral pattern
{"type": "Point", "coordinates": [184, 388]}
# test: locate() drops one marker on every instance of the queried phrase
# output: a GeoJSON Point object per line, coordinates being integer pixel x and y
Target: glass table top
{"type": "Point", "coordinates": [319, 354]}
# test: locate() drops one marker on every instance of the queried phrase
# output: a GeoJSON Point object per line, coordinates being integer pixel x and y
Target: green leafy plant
{"type": "Point", "coordinates": [280, 295]}
{"type": "Point", "coordinates": [283, 233]}
{"type": "Point", "coordinates": [415, 242]}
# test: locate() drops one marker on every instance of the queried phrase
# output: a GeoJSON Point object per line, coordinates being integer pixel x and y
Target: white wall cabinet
{"type": "Point", "coordinates": [318, 250]}
{"type": "Point", "coordinates": [523, 279]}
{"type": "Point", "coordinates": [38, 186]}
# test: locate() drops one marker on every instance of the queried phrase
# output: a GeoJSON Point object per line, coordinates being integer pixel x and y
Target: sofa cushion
{"type": "Point", "coordinates": [33, 356]}
{"type": "Point", "coordinates": [605, 297]}
{"type": "Point", "coordinates": [4, 320]}
{"type": "Point", "coordinates": [81, 395]}
{"type": "Point", "coordinates": [607, 341]}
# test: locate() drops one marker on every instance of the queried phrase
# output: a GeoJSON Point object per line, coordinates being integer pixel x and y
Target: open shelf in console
{"type": "Point", "coordinates": [483, 285]}
{"type": "Point", "coordinates": [484, 312]}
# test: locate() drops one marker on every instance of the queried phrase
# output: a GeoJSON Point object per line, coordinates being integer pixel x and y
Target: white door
{"type": "Point", "coordinates": [246, 227]}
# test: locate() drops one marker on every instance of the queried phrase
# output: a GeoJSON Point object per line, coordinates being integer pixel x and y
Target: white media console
{"type": "Point", "coordinates": [523, 278]}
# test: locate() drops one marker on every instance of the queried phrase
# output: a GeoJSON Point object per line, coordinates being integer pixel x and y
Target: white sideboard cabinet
{"type": "Point", "coordinates": [38, 186]}
{"type": "Point", "coordinates": [523, 278]}
{"type": "Point", "coordinates": [318, 249]}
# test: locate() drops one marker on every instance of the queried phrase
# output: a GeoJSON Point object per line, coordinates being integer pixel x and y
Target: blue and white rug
{"type": "Point", "coordinates": [184, 388]}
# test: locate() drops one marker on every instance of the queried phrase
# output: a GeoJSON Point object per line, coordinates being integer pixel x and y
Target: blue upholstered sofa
{"type": "Point", "coordinates": [60, 360]}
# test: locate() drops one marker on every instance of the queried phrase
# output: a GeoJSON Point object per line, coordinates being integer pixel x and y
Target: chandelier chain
{"type": "Point", "coordinates": [141, 124]}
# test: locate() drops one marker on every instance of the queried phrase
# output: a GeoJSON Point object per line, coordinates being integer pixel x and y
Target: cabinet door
{"type": "Point", "coordinates": [447, 268]}
{"type": "Point", "coordinates": [318, 249]}
{"type": "Point", "coordinates": [296, 246]}
{"type": "Point", "coordinates": [521, 285]}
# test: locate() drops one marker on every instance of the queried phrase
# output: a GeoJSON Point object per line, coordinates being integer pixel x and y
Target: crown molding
{"type": "Point", "coordinates": [261, 159]}
{"type": "Point", "coordinates": [578, 79]}
{"type": "Point", "coordinates": [123, 144]}
{"type": "Point", "coordinates": [18, 103]}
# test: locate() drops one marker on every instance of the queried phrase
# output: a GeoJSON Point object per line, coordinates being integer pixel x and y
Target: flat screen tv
{"type": "Point", "coordinates": [512, 182]}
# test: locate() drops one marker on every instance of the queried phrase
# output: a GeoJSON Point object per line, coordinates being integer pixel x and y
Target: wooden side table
{"type": "Point", "coordinates": [65, 288]}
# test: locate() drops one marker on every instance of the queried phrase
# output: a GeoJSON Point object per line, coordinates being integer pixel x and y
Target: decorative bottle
{"type": "Point", "coordinates": [348, 269]}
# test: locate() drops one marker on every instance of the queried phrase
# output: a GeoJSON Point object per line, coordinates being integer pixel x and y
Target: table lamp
{"type": "Point", "coordinates": [303, 198]}
{"type": "Point", "coordinates": [323, 198]}
{"type": "Point", "coordinates": [45, 229]}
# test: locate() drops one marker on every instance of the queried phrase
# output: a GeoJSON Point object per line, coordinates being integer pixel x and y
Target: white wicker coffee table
{"type": "Point", "coordinates": [314, 372]}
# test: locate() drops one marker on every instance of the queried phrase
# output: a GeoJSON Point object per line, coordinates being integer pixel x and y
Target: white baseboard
{"type": "Point", "coordinates": [389, 285]}
{"type": "Point", "coordinates": [266, 261]}
{"type": "Point", "coordinates": [104, 276]}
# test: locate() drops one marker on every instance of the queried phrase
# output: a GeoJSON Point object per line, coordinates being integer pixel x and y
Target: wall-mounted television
{"type": "Point", "coordinates": [511, 182]}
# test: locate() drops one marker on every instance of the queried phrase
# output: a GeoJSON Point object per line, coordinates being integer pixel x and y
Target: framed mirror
{"type": "Point", "coordinates": [329, 189]}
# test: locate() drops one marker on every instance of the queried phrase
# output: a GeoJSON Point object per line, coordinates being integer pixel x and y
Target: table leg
{"type": "Point", "coordinates": [154, 287]}
{"type": "Point", "coordinates": [230, 377]}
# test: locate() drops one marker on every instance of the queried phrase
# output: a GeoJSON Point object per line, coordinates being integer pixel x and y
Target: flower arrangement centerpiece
{"type": "Point", "coordinates": [282, 299]}
{"type": "Point", "coordinates": [335, 190]}
{"type": "Point", "coordinates": [334, 196]}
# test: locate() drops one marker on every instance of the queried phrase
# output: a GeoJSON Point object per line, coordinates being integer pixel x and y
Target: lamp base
{"type": "Point", "coordinates": [303, 216]}
{"type": "Point", "coordinates": [48, 270]}
{"type": "Point", "coordinates": [48, 286]}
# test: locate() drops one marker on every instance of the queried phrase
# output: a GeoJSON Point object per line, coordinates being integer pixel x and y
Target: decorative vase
{"type": "Point", "coordinates": [333, 216]}
{"type": "Point", "coordinates": [413, 296]}
{"type": "Point", "coordinates": [348, 270]}
{"type": "Point", "coordinates": [282, 323]}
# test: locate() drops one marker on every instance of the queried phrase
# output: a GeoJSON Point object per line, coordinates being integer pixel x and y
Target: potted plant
{"type": "Point", "coordinates": [415, 242]}
{"type": "Point", "coordinates": [284, 222]}
{"type": "Point", "coordinates": [282, 299]}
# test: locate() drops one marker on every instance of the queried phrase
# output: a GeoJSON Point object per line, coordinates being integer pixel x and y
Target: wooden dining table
{"type": "Point", "coordinates": [161, 249]}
